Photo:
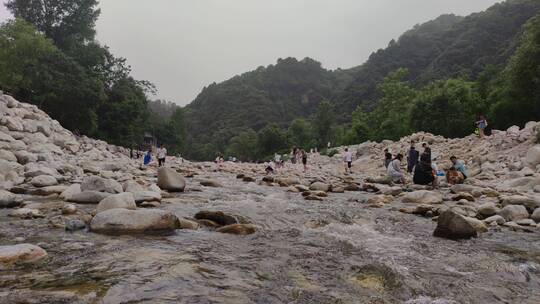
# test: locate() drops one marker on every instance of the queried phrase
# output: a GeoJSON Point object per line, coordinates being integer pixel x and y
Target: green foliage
{"type": "Point", "coordinates": [69, 23]}
{"type": "Point", "coordinates": [447, 108]}
{"type": "Point", "coordinates": [244, 146]}
{"type": "Point", "coordinates": [329, 152]}
{"type": "Point", "coordinates": [270, 140]}
{"type": "Point", "coordinates": [323, 122]}
{"type": "Point", "coordinates": [300, 134]}
{"type": "Point", "coordinates": [517, 101]}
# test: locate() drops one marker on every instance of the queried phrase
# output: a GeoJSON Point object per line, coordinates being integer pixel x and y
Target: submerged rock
{"type": "Point", "coordinates": [21, 254]}
{"type": "Point", "coordinates": [144, 221]}
{"type": "Point", "coordinates": [9, 200]}
{"type": "Point", "coordinates": [238, 229]}
{"type": "Point", "coordinates": [218, 217]}
{"type": "Point", "coordinates": [170, 180]}
{"type": "Point", "coordinates": [453, 226]}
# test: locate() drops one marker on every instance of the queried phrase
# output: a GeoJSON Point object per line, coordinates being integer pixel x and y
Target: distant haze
{"type": "Point", "coordinates": [184, 45]}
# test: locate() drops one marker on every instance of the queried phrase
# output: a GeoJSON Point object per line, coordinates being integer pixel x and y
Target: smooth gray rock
{"type": "Point", "coordinates": [143, 221]}
{"type": "Point", "coordinates": [453, 226]}
{"type": "Point", "coordinates": [96, 183]}
{"type": "Point", "coordinates": [170, 180]}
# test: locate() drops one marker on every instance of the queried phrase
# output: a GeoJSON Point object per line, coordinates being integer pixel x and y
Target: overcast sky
{"type": "Point", "coordinates": [184, 45]}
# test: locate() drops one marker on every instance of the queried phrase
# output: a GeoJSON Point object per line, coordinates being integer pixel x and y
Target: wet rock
{"type": "Point", "coordinates": [170, 180]}
{"type": "Point", "coordinates": [495, 219]}
{"type": "Point", "coordinates": [478, 225]}
{"type": "Point", "coordinates": [533, 156]}
{"type": "Point", "coordinates": [529, 202]}
{"type": "Point", "coordinates": [240, 176]}
{"type": "Point", "coordinates": [352, 187]}
{"type": "Point", "coordinates": [288, 181]}
{"type": "Point", "coordinates": [74, 225]}
{"type": "Point", "coordinates": [318, 186]}
{"type": "Point", "coordinates": [152, 204]}
{"type": "Point", "coordinates": [514, 212]}
{"type": "Point", "coordinates": [526, 222]}
{"type": "Point", "coordinates": [463, 188]}
{"type": "Point", "coordinates": [219, 217]}
{"type": "Point", "coordinates": [424, 210]}
{"type": "Point", "coordinates": [313, 198]}
{"type": "Point", "coordinates": [146, 196]}
{"type": "Point", "coordinates": [338, 189]}
{"type": "Point", "coordinates": [21, 254]}
{"type": "Point", "coordinates": [453, 226]}
{"type": "Point", "coordinates": [132, 186]}
{"type": "Point", "coordinates": [144, 221]}
{"type": "Point", "coordinates": [70, 191]}
{"type": "Point", "coordinates": [487, 209]}
{"type": "Point", "coordinates": [268, 179]}
{"type": "Point", "coordinates": [380, 200]}
{"type": "Point", "coordinates": [208, 223]}
{"type": "Point", "coordinates": [422, 197]}
{"type": "Point", "coordinates": [43, 181]}
{"type": "Point", "coordinates": [9, 200]}
{"type": "Point", "coordinates": [123, 200]}
{"type": "Point", "coordinates": [26, 213]}
{"type": "Point", "coordinates": [391, 190]}
{"type": "Point", "coordinates": [463, 195]}
{"type": "Point", "coordinates": [188, 224]}
{"type": "Point", "coordinates": [210, 183]}
{"type": "Point", "coordinates": [49, 190]}
{"type": "Point", "coordinates": [536, 215]}
{"type": "Point", "coordinates": [301, 188]}
{"type": "Point", "coordinates": [68, 209]}
{"type": "Point", "coordinates": [516, 227]}
{"type": "Point", "coordinates": [238, 229]}
{"type": "Point", "coordinates": [88, 197]}
{"type": "Point", "coordinates": [379, 180]}
{"type": "Point", "coordinates": [100, 184]}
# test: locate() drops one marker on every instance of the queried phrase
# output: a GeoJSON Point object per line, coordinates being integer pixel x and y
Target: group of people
{"type": "Point", "coordinates": [161, 153]}
{"type": "Point", "coordinates": [424, 170]}
{"type": "Point", "coordinates": [296, 156]}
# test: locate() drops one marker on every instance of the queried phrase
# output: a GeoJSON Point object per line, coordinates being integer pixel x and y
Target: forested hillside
{"type": "Point", "coordinates": [437, 77]}
{"type": "Point", "coordinates": [476, 47]}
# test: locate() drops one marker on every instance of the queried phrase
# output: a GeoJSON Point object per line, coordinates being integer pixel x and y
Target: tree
{"type": "Point", "coordinates": [359, 131]}
{"type": "Point", "coordinates": [446, 108]}
{"type": "Point", "coordinates": [390, 119]}
{"type": "Point", "coordinates": [300, 134]}
{"type": "Point", "coordinates": [518, 101]}
{"type": "Point", "coordinates": [244, 146]}
{"type": "Point", "coordinates": [323, 121]}
{"type": "Point", "coordinates": [271, 139]}
{"type": "Point", "coordinates": [66, 22]}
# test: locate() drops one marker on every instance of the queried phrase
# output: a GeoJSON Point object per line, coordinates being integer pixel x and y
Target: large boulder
{"type": "Point", "coordinates": [487, 209]}
{"type": "Point", "coordinates": [44, 181]}
{"type": "Point", "coordinates": [536, 215]}
{"type": "Point", "coordinates": [9, 200]}
{"type": "Point", "coordinates": [514, 213]}
{"type": "Point", "coordinates": [132, 186]}
{"type": "Point", "coordinates": [21, 254]}
{"type": "Point", "coordinates": [96, 183]}
{"type": "Point", "coordinates": [422, 197]}
{"type": "Point", "coordinates": [123, 200]}
{"type": "Point", "coordinates": [453, 226]}
{"type": "Point", "coordinates": [170, 180]}
{"type": "Point", "coordinates": [144, 221]}
{"type": "Point", "coordinates": [533, 156]}
{"type": "Point", "coordinates": [88, 197]}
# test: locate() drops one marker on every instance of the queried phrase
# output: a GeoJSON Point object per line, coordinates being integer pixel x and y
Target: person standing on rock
{"type": "Point", "coordinates": [147, 157]}
{"type": "Point", "coordinates": [423, 172]}
{"type": "Point", "coordinates": [161, 155]}
{"type": "Point", "coordinates": [412, 159]}
{"type": "Point", "coordinates": [303, 154]}
{"type": "Point", "coordinates": [394, 170]}
{"type": "Point", "coordinates": [347, 159]}
{"type": "Point", "coordinates": [293, 155]}
{"type": "Point", "coordinates": [387, 158]}
{"type": "Point", "coordinates": [481, 123]}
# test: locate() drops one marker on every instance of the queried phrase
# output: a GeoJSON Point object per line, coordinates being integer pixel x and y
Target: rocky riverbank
{"type": "Point", "coordinates": [81, 222]}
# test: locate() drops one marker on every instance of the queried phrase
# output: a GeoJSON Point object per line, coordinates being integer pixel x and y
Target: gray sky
{"type": "Point", "coordinates": [184, 45]}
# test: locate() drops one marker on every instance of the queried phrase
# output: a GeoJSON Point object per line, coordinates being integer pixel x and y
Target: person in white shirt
{"type": "Point", "coordinates": [347, 159]}
{"type": "Point", "coordinates": [394, 170]}
{"type": "Point", "coordinates": [161, 155]}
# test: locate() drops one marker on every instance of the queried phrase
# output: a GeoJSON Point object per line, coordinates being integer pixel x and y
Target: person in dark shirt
{"type": "Point", "coordinates": [423, 172]}
{"type": "Point", "coordinates": [387, 158]}
{"type": "Point", "coordinates": [412, 160]}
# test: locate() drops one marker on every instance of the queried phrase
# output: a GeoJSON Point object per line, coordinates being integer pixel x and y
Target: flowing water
{"type": "Point", "coordinates": [336, 251]}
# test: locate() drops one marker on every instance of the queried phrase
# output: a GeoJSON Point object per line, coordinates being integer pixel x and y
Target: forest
{"type": "Point", "coordinates": [437, 77]}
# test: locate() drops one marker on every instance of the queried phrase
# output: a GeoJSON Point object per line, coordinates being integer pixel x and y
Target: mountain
{"type": "Point", "coordinates": [448, 46]}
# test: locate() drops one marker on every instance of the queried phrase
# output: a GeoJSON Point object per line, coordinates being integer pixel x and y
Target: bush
{"type": "Point", "coordinates": [329, 153]}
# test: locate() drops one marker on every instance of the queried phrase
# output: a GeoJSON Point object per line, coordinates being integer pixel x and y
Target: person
{"type": "Point", "coordinates": [277, 160]}
{"type": "Point", "coordinates": [269, 167]}
{"type": "Point", "coordinates": [427, 150]}
{"type": "Point", "coordinates": [394, 170]}
{"type": "Point", "coordinates": [412, 159]}
{"type": "Point", "coordinates": [423, 172]}
{"type": "Point", "coordinates": [293, 155]}
{"type": "Point", "coordinates": [347, 159]}
{"type": "Point", "coordinates": [481, 123]}
{"type": "Point", "coordinates": [387, 158]}
{"type": "Point", "coordinates": [303, 154]}
{"type": "Point", "coordinates": [131, 153]}
{"type": "Point", "coordinates": [457, 174]}
{"type": "Point", "coordinates": [161, 155]}
{"type": "Point", "coordinates": [147, 157]}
